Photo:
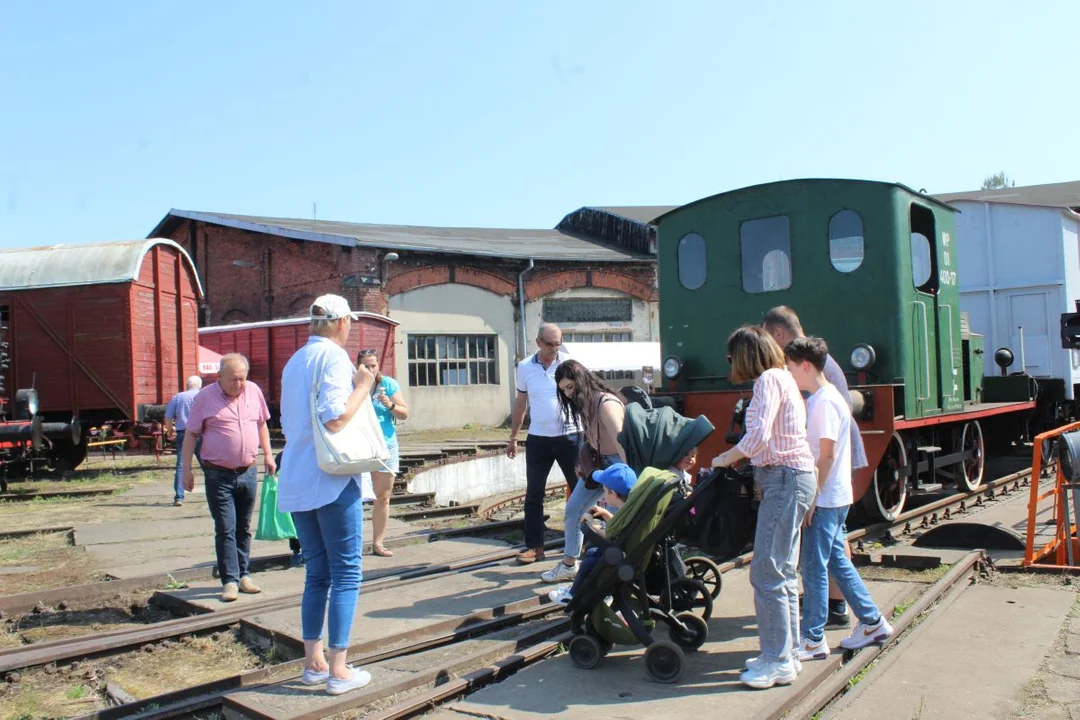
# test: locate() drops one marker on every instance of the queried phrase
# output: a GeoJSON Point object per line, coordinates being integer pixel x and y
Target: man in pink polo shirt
{"type": "Point", "coordinates": [230, 417]}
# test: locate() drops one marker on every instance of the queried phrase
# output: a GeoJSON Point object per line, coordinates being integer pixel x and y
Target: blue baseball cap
{"type": "Point", "coordinates": [618, 478]}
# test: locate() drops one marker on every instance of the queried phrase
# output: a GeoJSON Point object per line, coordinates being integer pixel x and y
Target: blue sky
{"type": "Point", "coordinates": [509, 114]}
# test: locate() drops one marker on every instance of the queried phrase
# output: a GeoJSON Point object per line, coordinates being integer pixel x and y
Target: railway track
{"type": "Point", "coordinates": [531, 646]}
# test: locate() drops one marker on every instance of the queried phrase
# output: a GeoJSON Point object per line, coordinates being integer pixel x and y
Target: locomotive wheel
{"type": "Point", "coordinates": [688, 595]}
{"type": "Point", "coordinates": [971, 471]}
{"type": "Point", "coordinates": [707, 573]}
{"type": "Point", "coordinates": [664, 661]}
{"type": "Point", "coordinates": [695, 634]}
{"type": "Point", "coordinates": [887, 494]}
{"type": "Point", "coordinates": [585, 651]}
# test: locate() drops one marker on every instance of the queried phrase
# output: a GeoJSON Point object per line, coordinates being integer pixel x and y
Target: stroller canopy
{"type": "Point", "coordinates": [659, 437]}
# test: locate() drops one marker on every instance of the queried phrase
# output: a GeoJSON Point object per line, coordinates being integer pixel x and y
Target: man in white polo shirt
{"type": "Point", "coordinates": [551, 438]}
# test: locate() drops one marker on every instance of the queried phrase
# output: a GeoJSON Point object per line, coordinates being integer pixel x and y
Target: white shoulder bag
{"type": "Point", "coordinates": [357, 448]}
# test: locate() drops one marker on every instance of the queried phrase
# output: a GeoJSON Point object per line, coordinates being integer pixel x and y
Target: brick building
{"type": "Point", "coordinates": [469, 300]}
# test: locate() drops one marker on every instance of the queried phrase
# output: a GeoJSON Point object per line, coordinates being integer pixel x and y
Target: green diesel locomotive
{"type": "Point", "coordinates": [872, 268]}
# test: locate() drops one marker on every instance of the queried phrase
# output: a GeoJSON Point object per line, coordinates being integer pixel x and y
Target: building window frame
{"type": "Point", "coordinates": [597, 336]}
{"type": "Point", "coordinates": [562, 311]}
{"type": "Point", "coordinates": [452, 359]}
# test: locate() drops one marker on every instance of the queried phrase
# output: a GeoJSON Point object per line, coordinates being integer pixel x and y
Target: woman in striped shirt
{"type": "Point", "coordinates": [775, 442]}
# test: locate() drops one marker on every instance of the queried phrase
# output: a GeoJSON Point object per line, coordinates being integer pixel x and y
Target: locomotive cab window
{"type": "Point", "coordinates": [922, 250]}
{"type": "Point", "coordinates": [846, 241]}
{"type": "Point", "coordinates": [766, 254]}
{"type": "Point", "coordinates": [691, 261]}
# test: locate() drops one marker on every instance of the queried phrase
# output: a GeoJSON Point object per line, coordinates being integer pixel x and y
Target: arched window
{"type": "Point", "coordinates": [846, 241]}
{"type": "Point", "coordinates": [921, 265]}
{"type": "Point", "coordinates": [766, 254]}
{"type": "Point", "coordinates": [691, 255]}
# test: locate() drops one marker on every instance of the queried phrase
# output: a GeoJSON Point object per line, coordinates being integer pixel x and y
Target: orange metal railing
{"type": "Point", "coordinates": [1057, 550]}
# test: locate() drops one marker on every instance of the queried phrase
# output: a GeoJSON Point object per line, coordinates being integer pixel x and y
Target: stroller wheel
{"type": "Point", "coordinates": [585, 651]}
{"type": "Point", "coordinates": [688, 595]}
{"type": "Point", "coordinates": [664, 661]}
{"type": "Point", "coordinates": [694, 635]}
{"type": "Point", "coordinates": [708, 572]}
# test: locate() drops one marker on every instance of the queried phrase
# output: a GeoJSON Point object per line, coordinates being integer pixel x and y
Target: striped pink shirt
{"type": "Point", "coordinates": [776, 424]}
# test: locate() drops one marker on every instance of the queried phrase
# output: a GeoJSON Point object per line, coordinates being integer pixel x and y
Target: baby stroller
{"type": "Point", "coordinates": [653, 512]}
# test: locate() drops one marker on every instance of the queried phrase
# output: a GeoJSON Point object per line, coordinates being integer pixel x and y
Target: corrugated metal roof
{"type": "Point", "coordinates": [490, 242]}
{"type": "Point", "coordinates": [70, 265]}
{"type": "Point", "coordinates": [643, 214]}
{"type": "Point", "coordinates": [1059, 195]}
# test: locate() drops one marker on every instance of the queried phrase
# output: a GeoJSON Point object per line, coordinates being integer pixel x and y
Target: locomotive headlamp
{"type": "Point", "coordinates": [672, 367]}
{"type": "Point", "coordinates": [1004, 359]}
{"type": "Point", "coordinates": [862, 357]}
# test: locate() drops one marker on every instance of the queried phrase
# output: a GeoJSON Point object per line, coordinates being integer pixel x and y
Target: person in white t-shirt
{"type": "Point", "coordinates": [828, 429]}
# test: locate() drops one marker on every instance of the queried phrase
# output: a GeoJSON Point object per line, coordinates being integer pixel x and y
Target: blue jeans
{"type": "Point", "coordinates": [786, 494]}
{"type": "Point", "coordinates": [330, 538]}
{"type": "Point", "coordinates": [540, 454]}
{"type": "Point", "coordinates": [823, 556]}
{"type": "Point", "coordinates": [590, 561]}
{"type": "Point", "coordinates": [581, 499]}
{"type": "Point", "coordinates": [178, 482]}
{"type": "Point", "coordinates": [231, 498]}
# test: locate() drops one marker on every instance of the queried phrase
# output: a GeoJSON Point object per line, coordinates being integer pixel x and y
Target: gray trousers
{"type": "Point", "coordinates": [786, 494]}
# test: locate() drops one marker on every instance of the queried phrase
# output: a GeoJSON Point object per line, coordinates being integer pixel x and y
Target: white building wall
{"type": "Point", "coordinates": [446, 310]}
{"type": "Point", "coordinates": [1017, 267]}
{"type": "Point", "coordinates": [644, 324]}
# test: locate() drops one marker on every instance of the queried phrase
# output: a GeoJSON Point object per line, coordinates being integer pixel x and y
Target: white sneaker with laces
{"type": "Point", "coordinates": [561, 595]}
{"type": "Point", "coordinates": [810, 650]}
{"type": "Point", "coordinates": [560, 573]}
{"type": "Point", "coordinates": [864, 634]}
{"type": "Point", "coordinates": [310, 677]}
{"type": "Point", "coordinates": [753, 662]}
{"type": "Point", "coordinates": [765, 674]}
{"type": "Point", "coordinates": [359, 679]}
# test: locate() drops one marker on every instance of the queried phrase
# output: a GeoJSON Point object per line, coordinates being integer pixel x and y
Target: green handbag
{"type": "Point", "coordinates": [273, 525]}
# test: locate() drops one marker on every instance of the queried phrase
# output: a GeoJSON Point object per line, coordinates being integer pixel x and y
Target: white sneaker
{"type": "Point", "coordinates": [765, 674]}
{"type": "Point", "coordinates": [753, 662]}
{"type": "Point", "coordinates": [810, 650]}
{"type": "Point", "coordinates": [310, 677]}
{"type": "Point", "coordinates": [560, 573]}
{"type": "Point", "coordinates": [864, 634]}
{"type": "Point", "coordinates": [561, 595]}
{"type": "Point", "coordinates": [359, 679]}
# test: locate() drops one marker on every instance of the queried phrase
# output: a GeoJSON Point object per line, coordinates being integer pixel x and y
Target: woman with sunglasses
{"type": "Point", "coordinates": [776, 445]}
{"type": "Point", "coordinates": [591, 405]}
{"type": "Point", "coordinates": [389, 408]}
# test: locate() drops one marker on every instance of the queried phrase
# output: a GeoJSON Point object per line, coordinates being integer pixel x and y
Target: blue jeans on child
{"type": "Point", "coordinates": [786, 494]}
{"type": "Point", "coordinates": [590, 561]}
{"type": "Point", "coordinates": [823, 556]}
{"type": "Point", "coordinates": [330, 538]}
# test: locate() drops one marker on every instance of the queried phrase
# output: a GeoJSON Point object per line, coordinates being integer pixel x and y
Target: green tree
{"type": "Point", "coordinates": [997, 181]}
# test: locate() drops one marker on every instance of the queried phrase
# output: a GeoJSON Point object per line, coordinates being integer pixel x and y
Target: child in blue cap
{"type": "Point", "coordinates": [617, 480]}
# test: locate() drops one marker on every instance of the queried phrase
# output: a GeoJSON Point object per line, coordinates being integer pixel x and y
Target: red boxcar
{"type": "Point", "coordinates": [102, 330]}
{"type": "Point", "coordinates": [269, 345]}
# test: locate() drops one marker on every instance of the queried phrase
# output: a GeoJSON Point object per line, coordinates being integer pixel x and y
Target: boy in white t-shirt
{"type": "Point", "coordinates": [828, 430]}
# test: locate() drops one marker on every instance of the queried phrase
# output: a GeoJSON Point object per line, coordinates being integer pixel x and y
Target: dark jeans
{"type": "Point", "coordinates": [590, 561]}
{"type": "Point", "coordinates": [178, 483]}
{"type": "Point", "coordinates": [540, 454]}
{"type": "Point", "coordinates": [231, 498]}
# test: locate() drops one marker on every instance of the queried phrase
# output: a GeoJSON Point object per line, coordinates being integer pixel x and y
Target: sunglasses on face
{"type": "Point", "coordinates": [551, 344]}
{"type": "Point", "coordinates": [367, 353]}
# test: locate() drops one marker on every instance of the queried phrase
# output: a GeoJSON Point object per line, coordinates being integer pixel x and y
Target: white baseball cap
{"type": "Point", "coordinates": [334, 307]}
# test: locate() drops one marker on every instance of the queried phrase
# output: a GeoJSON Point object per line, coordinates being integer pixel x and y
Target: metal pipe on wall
{"type": "Point", "coordinates": [521, 308]}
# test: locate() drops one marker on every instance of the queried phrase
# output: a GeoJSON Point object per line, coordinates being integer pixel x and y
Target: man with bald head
{"type": "Point", "coordinates": [551, 438]}
{"type": "Point", "coordinates": [176, 417]}
{"type": "Point", "coordinates": [230, 418]}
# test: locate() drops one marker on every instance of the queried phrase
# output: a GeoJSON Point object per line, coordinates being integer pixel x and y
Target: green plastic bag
{"type": "Point", "coordinates": [273, 525]}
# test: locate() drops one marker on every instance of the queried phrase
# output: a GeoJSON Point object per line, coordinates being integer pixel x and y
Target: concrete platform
{"type": "Point", "coordinates": [390, 613]}
{"type": "Point", "coordinates": [201, 596]}
{"type": "Point", "coordinates": [618, 688]}
{"type": "Point", "coordinates": [971, 659]}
